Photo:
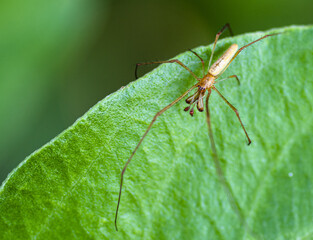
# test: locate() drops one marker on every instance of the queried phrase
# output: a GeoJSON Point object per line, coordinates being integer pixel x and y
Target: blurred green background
{"type": "Point", "coordinates": [58, 58]}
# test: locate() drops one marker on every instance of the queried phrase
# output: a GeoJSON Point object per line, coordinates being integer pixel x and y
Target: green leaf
{"type": "Point", "coordinates": [69, 188]}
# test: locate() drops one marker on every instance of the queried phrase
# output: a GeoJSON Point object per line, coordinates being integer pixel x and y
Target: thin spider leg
{"type": "Point", "coordinates": [232, 76]}
{"type": "Point", "coordinates": [226, 26]}
{"type": "Point", "coordinates": [230, 195]}
{"type": "Point", "coordinates": [236, 111]}
{"type": "Point", "coordinates": [240, 49]}
{"type": "Point", "coordinates": [169, 61]}
{"type": "Point", "coordinates": [200, 60]}
{"type": "Point", "coordinates": [139, 143]}
{"type": "Point", "coordinates": [234, 204]}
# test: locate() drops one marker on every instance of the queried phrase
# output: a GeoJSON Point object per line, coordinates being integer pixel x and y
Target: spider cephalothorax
{"type": "Point", "coordinates": [196, 99]}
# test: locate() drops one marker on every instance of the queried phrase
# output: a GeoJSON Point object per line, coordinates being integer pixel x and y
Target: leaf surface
{"type": "Point", "coordinates": [69, 188]}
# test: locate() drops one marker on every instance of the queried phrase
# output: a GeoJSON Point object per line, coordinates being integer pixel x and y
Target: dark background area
{"type": "Point", "coordinates": [59, 58]}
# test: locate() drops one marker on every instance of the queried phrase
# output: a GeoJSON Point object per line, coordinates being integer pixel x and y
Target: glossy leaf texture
{"type": "Point", "coordinates": [69, 188]}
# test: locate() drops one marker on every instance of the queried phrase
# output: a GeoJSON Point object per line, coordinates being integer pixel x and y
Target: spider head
{"type": "Point", "coordinates": [195, 99]}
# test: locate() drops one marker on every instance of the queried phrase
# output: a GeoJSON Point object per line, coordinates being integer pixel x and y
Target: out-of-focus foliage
{"type": "Point", "coordinates": [58, 58]}
{"type": "Point", "coordinates": [41, 43]}
{"type": "Point", "coordinates": [68, 189]}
